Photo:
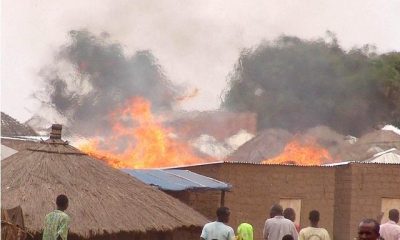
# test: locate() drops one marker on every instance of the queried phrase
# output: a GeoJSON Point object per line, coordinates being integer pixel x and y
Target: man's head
{"type": "Point", "coordinates": [290, 214]}
{"type": "Point", "coordinates": [276, 210]}
{"type": "Point", "coordinates": [287, 237]}
{"type": "Point", "coordinates": [62, 202]}
{"type": "Point", "coordinates": [223, 214]}
{"type": "Point", "coordinates": [368, 230]}
{"type": "Point", "coordinates": [394, 215]}
{"type": "Point", "coordinates": [314, 217]}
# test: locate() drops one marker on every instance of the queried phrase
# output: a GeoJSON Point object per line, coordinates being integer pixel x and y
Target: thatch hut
{"type": "Point", "coordinates": [370, 144]}
{"type": "Point", "coordinates": [11, 127]}
{"type": "Point", "coordinates": [11, 145]}
{"type": "Point", "coordinates": [267, 144]}
{"type": "Point", "coordinates": [105, 203]}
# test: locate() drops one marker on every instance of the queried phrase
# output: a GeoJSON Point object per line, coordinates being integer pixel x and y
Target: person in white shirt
{"type": "Point", "coordinates": [277, 226]}
{"type": "Point", "coordinates": [219, 230]}
{"type": "Point", "coordinates": [390, 230]}
{"type": "Point", "coordinates": [313, 232]}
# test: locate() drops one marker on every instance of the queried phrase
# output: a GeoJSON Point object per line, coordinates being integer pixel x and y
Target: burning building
{"type": "Point", "coordinates": [315, 146]}
{"type": "Point", "coordinates": [140, 139]}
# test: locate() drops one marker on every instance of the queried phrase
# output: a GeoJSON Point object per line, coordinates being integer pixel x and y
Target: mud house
{"type": "Point", "coordinates": [343, 193]}
{"type": "Point", "coordinates": [189, 187]}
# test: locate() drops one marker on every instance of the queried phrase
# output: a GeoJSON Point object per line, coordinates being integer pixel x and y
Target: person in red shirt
{"type": "Point", "coordinates": [290, 214]}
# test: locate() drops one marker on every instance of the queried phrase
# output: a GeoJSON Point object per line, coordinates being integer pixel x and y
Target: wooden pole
{"type": "Point", "coordinates": [222, 203]}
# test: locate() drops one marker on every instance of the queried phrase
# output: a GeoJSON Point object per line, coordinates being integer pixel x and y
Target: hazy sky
{"type": "Point", "coordinates": [196, 41]}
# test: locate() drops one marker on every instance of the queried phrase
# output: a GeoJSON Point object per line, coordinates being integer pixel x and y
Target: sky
{"type": "Point", "coordinates": [196, 42]}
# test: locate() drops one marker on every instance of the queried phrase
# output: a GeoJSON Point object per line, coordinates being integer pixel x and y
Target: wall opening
{"type": "Point", "coordinates": [386, 205]}
{"type": "Point", "coordinates": [294, 203]}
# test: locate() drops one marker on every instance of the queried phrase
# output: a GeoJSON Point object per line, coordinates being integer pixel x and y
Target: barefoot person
{"type": "Point", "coordinates": [56, 223]}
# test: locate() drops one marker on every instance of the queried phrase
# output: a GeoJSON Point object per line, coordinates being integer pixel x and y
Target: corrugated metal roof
{"type": "Point", "coordinates": [337, 164]}
{"type": "Point", "coordinates": [176, 180]}
{"type": "Point", "coordinates": [328, 165]}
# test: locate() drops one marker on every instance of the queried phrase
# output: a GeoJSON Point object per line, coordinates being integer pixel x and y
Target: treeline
{"type": "Point", "coordinates": [295, 84]}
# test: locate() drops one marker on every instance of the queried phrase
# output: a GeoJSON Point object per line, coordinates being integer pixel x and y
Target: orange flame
{"type": "Point", "coordinates": [147, 143]}
{"type": "Point", "coordinates": [295, 152]}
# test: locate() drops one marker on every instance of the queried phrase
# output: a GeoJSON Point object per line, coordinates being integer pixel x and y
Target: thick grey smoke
{"type": "Point", "coordinates": [92, 76]}
{"type": "Point", "coordinates": [296, 84]}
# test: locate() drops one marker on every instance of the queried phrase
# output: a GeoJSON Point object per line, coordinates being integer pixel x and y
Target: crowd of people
{"type": "Point", "coordinates": [281, 226]}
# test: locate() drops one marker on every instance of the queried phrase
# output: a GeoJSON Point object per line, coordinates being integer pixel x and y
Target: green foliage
{"type": "Point", "coordinates": [296, 84]}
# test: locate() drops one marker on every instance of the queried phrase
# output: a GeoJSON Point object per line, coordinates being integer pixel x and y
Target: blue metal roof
{"type": "Point", "coordinates": [176, 180]}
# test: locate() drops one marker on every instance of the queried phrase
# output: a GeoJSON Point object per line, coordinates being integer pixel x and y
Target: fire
{"type": "Point", "coordinates": [296, 152]}
{"type": "Point", "coordinates": [146, 143]}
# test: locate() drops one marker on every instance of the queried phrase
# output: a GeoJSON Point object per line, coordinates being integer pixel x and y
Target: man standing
{"type": "Point", "coordinates": [218, 230]}
{"type": "Point", "coordinates": [314, 232]}
{"type": "Point", "coordinates": [278, 226]}
{"type": "Point", "coordinates": [368, 230]}
{"type": "Point", "coordinates": [390, 230]}
{"type": "Point", "coordinates": [56, 223]}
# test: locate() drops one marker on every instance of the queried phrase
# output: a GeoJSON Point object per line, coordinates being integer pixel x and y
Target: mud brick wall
{"type": "Point", "coordinates": [343, 194]}
{"type": "Point", "coordinates": [370, 183]}
{"type": "Point", "coordinates": [257, 187]}
{"type": "Point", "coordinates": [343, 181]}
{"type": "Point", "coordinates": [205, 202]}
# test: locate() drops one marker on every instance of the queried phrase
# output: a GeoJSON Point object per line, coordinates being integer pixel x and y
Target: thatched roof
{"type": "Point", "coordinates": [271, 142]}
{"type": "Point", "coordinates": [391, 156]}
{"type": "Point", "coordinates": [102, 199]}
{"type": "Point", "coordinates": [370, 144]}
{"type": "Point", "coordinates": [11, 127]}
{"type": "Point", "coordinates": [266, 144]}
{"type": "Point", "coordinates": [19, 144]}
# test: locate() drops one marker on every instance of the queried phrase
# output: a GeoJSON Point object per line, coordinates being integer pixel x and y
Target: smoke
{"type": "Point", "coordinates": [91, 76]}
{"type": "Point", "coordinates": [210, 146]}
{"type": "Point", "coordinates": [296, 84]}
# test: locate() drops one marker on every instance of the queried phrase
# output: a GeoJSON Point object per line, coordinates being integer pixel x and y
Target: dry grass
{"type": "Point", "coordinates": [102, 199]}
